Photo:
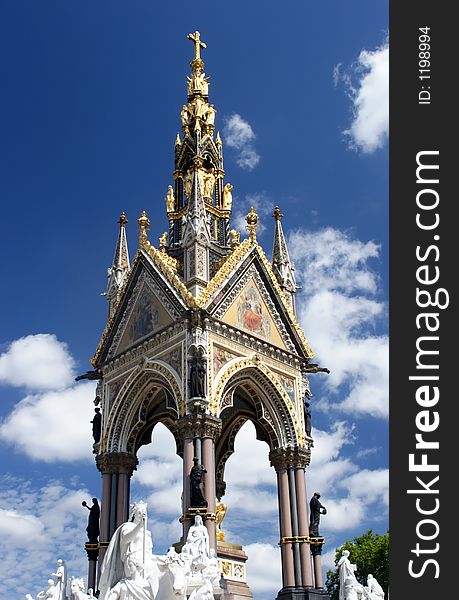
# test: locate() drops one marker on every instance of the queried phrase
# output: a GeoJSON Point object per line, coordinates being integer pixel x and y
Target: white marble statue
{"type": "Point", "coordinates": [197, 544]}
{"type": "Point", "coordinates": [49, 594]}
{"type": "Point", "coordinates": [128, 570]}
{"type": "Point", "coordinates": [77, 590]}
{"type": "Point", "coordinates": [60, 580]}
{"type": "Point", "coordinates": [205, 592]}
{"type": "Point", "coordinates": [349, 587]}
{"type": "Point", "coordinates": [373, 591]}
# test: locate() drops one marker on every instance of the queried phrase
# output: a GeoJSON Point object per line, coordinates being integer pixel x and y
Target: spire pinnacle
{"type": "Point", "coordinates": [282, 265]}
{"type": "Point", "coordinates": [120, 266]}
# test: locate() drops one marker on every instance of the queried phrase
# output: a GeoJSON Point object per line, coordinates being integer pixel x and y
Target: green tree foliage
{"type": "Point", "coordinates": [370, 552]}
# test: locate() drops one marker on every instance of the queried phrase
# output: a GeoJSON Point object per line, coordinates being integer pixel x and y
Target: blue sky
{"type": "Point", "coordinates": [89, 111]}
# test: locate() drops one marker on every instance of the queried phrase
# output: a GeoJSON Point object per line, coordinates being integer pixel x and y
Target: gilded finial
{"type": "Point", "coordinates": [218, 140]}
{"type": "Point", "coordinates": [144, 223]}
{"type": "Point", "coordinates": [123, 220]}
{"type": "Point", "coordinates": [252, 222]}
{"type": "Point", "coordinates": [277, 214]}
{"type": "Point", "coordinates": [178, 141]}
{"type": "Point", "coordinates": [198, 44]}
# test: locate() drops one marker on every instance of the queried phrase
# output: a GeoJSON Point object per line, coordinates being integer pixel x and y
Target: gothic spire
{"type": "Point", "coordinates": [120, 266]}
{"type": "Point", "coordinates": [282, 265]}
{"type": "Point", "coordinates": [198, 164]}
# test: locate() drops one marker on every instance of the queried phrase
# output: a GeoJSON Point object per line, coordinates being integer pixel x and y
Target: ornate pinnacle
{"type": "Point", "coordinates": [252, 222]}
{"type": "Point", "coordinates": [277, 214]}
{"type": "Point", "coordinates": [144, 223]}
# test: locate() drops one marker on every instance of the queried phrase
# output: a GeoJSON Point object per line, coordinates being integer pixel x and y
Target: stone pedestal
{"type": "Point", "coordinates": [232, 559]}
{"type": "Point", "coordinates": [292, 593]}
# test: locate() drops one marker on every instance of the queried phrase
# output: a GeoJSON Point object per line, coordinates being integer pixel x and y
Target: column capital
{"type": "Point", "coordinates": [117, 462]}
{"type": "Point", "coordinates": [199, 425]}
{"type": "Point", "coordinates": [290, 458]}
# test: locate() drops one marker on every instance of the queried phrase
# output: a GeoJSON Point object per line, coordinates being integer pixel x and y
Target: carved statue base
{"type": "Point", "coordinates": [292, 593]}
{"type": "Point", "coordinates": [232, 559]}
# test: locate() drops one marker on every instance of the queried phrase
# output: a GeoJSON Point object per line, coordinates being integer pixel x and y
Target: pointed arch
{"type": "Point", "coordinates": [275, 412]}
{"type": "Point", "coordinates": [151, 394]}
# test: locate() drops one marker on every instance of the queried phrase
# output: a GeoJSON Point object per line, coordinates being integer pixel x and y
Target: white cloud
{"type": "Point", "coordinates": [339, 311]}
{"type": "Point", "coordinates": [37, 362]}
{"type": "Point", "coordinates": [369, 485]}
{"type": "Point", "coordinates": [18, 527]}
{"type": "Point", "coordinates": [263, 569]}
{"type": "Point", "coordinates": [238, 134]}
{"type": "Point", "coordinates": [54, 425]}
{"type": "Point", "coordinates": [38, 526]}
{"type": "Point", "coordinates": [370, 97]}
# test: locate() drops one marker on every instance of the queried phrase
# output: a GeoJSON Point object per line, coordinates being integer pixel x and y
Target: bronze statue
{"type": "Point", "coordinates": [316, 509]}
{"type": "Point", "coordinates": [307, 417]}
{"type": "Point", "coordinates": [93, 521]}
{"type": "Point", "coordinates": [97, 425]}
{"type": "Point", "coordinates": [197, 378]}
{"type": "Point", "coordinates": [197, 499]}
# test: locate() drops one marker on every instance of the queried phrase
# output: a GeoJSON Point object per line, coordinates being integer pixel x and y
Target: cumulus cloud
{"type": "Point", "coordinates": [340, 309]}
{"type": "Point", "coordinates": [370, 99]}
{"type": "Point", "coordinates": [52, 424]}
{"type": "Point", "coordinates": [238, 134]}
{"type": "Point", "coordinates": [38, 526]}
{"type": "Point", "coordinates": [38, 362]}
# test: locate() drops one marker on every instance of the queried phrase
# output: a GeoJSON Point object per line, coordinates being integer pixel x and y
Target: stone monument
{"type": "Point", "coordinates": [201, 335]}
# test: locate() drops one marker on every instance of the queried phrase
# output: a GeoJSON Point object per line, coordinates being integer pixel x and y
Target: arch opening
{"type": "Point", "coordinates": [158, 481]}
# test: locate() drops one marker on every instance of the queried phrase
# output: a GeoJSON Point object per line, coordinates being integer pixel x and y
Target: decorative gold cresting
{"type": "Point", "coordinates": [144, 223]}
{"type": "Point", "coordinates": [252, 223]}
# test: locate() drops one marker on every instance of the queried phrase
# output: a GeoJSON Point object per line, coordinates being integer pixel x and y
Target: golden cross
{"type": "Point", "coordinates": [197, 44]}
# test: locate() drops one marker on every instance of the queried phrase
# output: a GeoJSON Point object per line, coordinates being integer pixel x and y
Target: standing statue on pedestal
{"type": "Point", "coordinates": [349, 587]}
{"type": "Point", "coordinates": [170, 199]}
{"type": "Point", "coordinates": [93, 521]}
{"type": "Point", "coordinates": [197, 472]}
{"type": "Point", "coordinates": [60, 580]}
{"type": "Point", "coordinates": [316, 509]}
{"type": "Point", "coordinates": [227, 197]}
{"type": "Point", "coordinates": [96, 425]}
{"type": "Point", "coordinates": [197, 378]}
{"type": "Point", "coordinates": [307, 417]}
{"type": "Point", "coordinates": [128, 569]}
